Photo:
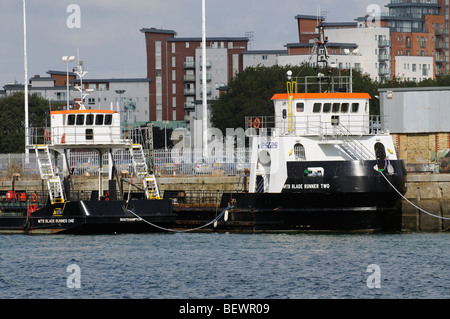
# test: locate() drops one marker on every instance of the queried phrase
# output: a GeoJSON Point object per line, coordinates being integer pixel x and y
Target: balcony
{"type": "Point", "coordinates": [441, 31]}
{"type": "Point", "coordinates": [440, 45]}
{"type": "Point", "coordinates": [189, 105]}
{"type": "Point", "coordinates": [189, 78]}
{"type": "Point", "coordinates": [189, 91]}
{"type": "Point", "coordinates": [384, 43]}
{"type": "Point", "coordinates": [440, 59]}
{"type": "Point", "coordinates": [189, 65]}
{"type": "Point", "coordinates": [383, 71]}
{"type": "Point", "coordinates": [384, 57]}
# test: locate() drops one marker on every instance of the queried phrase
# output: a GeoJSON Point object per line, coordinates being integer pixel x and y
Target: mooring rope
{"type": "Point", "coordinates": [175, 230]}
{"type": "Point", "coordinates": [420, 209]}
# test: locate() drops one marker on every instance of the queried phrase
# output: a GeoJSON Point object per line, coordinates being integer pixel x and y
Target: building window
{"type": "Point", "coordinates": [158, 55]}
{"type": "Point", "coordinates": [186, 44]}
{"type": "Point", "coordinates": [173, 47]}
{"type": "Point", "coordinates": [174, 64]}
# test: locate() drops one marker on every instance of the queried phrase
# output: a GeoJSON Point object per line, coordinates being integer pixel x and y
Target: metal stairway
{"type": "Point", "coordinates": [353, 148]}
{"type": "Point", "coordinates": [47, 173]}
{"type": "Point", "coordinates": [141, 170]}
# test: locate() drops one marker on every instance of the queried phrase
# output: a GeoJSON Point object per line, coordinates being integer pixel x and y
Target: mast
{"type": "Point", "coordinates": [204, 97]}
{"type": "Point", "coordinates": [26, 77]}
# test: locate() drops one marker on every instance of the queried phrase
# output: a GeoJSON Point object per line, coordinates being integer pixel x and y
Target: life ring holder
{"type": "Point", "coordinates": [256, 123]}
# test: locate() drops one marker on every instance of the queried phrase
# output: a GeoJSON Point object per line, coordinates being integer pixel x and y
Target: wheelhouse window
{"type": "Point", "coordinates": [99, 119]}
{"type": "Point", "coordinates": [317, 107]}
{"type": "Point", "coordinates": [336, 107]}
{"type": "Point", "coordinates": [108, 119]}
{"type": "Point", "coordinates": [80, 119]}
{"type": "Point", "coordinates": [300, 107]}
{"type": "Point", "coordinates": [71, 119]}
{"type": "Point", "coordinates": [326, 107]}
{"type": "Point", "coordinates": [344, 107]}
{"type": "Point", "coordinates": [355, 107]}
{"type": "Point", "coordinates": [89, 119]}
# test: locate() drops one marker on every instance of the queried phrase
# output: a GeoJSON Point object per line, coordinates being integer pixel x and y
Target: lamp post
{"type": "Point", "coordinates": [204, 97]}
{"type": "Point", "coordinates": [120, 92]}
{"type": "Point", "coordinates": [26, 78]}
{"type": "Point", "coordinates": [165, 134]}
{"type": "Point", "coordinates": [351, 53]}
{"type": "Point", "coordinates": [68, 59]}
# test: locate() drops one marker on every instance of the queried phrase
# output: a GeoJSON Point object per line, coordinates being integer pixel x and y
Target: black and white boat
{"type": "Point", "coordinates": [58, 208]}
{"type": "Point", "coordinates": [321, 163]}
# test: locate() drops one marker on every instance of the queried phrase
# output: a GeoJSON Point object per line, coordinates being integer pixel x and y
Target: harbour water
{"type": "Point", "coordinates": [225, 266]}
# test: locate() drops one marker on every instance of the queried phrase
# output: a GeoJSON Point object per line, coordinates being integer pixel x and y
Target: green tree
{"type": "Point", "coordinates": [249, 93]}
{"type": "Point", "coordinates": [12, 120]}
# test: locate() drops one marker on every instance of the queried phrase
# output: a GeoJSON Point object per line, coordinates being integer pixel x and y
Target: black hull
{"type": "Point", "coordinates": [92, 217]}
{"type": "Point", "coordinates": [349, 196]}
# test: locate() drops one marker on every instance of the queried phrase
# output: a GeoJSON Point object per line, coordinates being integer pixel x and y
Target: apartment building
{"type": "Point", "coordinates": [175, 67]}
{"type": "Point", "coordinates": [410, 41]}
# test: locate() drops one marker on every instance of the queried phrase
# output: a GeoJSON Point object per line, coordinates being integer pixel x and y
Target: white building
{"type": "Point", "coordinates": [414, 68]}
{"type": "Point", "coordinates": [133, 103]}
{"type": "Point", "coordinates": [265, 58]}
{"type": "Point", "coordinates": [130, 96]}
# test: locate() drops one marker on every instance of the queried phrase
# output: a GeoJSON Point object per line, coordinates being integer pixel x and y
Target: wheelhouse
{"type": "Point", "coordinates": [79, 127]}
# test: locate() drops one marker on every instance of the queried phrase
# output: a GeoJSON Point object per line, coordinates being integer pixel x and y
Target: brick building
{"type": "Point", "coordinates": [174, 65]}
{"type": "Point", "coordinates": [416, 48]}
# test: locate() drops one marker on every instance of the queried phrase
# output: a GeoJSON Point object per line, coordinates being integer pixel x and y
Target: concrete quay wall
{"type": "Point", "coordinates": [430, 192]}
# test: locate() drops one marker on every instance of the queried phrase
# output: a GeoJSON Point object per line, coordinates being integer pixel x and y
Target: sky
{"type": "Point", "coordinates": [106, 33]}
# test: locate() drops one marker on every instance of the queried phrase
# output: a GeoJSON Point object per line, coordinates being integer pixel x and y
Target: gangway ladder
{"type": "Point", "coordinates": [141, 170]}
{"type": "Point", "coordinates": [47, 173]}
{"type": "Point", "coordinates": [354, 148]}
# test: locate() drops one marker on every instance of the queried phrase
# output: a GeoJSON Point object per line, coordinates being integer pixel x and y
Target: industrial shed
{"type": "Point", "coordinates": [419, 120]}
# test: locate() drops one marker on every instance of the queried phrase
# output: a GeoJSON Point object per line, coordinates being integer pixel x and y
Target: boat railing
{"type": "Point", "coordinates": [324, 126]}
{"type": "Point", "coordinates": [321, 83]}
{"type": "Point", "coordinates": [82, 136]}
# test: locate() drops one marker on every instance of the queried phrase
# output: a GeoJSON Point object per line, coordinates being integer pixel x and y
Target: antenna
{"type": "Point", "coordinates": [250, 35]}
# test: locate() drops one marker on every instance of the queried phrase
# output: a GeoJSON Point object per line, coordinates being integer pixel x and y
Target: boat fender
{"type": "Point", "coordinates": [225, 216]}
